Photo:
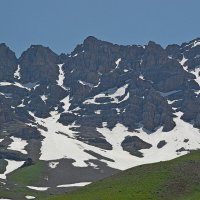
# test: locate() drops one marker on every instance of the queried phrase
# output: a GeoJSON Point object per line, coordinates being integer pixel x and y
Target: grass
{"type": "Point", "coordinates": [178, 179]}
{"type": "Point", "coordinates": [28, 175]}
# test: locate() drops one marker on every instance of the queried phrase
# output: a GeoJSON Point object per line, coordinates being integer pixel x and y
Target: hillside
{"type": "Point", "coordinates": [178, 179]}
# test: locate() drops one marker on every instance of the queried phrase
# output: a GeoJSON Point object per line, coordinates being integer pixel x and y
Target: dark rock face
{"type": "Point", "coordinates": [38, 63]}
{"type": "Point", "coordinates": [133, 144]}
{"type": "Point", "coordinates": [8, 63]}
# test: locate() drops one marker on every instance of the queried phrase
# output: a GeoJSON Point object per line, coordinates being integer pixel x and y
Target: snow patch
{"type": "Point", "coordinates": [44, 98]}
{"type": "Point", "coordinates": [22, 104]}
{"type": "Point", "coordinates": [98, 112]}
{"type": "Point", "coordinates": [53, 165]}
{"type": "Point", "coordinates": [196, 43]}
{"type": "Point", "coordinates": [117, 64]}
{"type": "Point", "coordinates": [66, 102]}
{"type": "Point", "coordinates": [14, 84]}
{"type": "Point", "coordinates": [141, 77]}
{"type": "Point", "coordinates": [112, 93]}
{"type": "Point", "coordinates": [75, 184]}
{"type": "Point", "coordinates": [61, 76]}
{"type": "Point", "coordinates": [183, 61]}
{"type": "Point", "coordinates": [18, 145]}
{"type": "Point", "coordinates": [196, 72]}
{"type": "Point", "coordinates": [29, 197]}
{"type": "Point", "coordinates": [17, 74]}
{"type": "Point", "coordinates": [38, 188]}
{"type": "Point", "coordinates": [11, 166]}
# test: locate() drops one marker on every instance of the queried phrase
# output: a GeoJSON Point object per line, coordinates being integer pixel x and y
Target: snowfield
{"type": "Point", "coordinates": [57, 146]}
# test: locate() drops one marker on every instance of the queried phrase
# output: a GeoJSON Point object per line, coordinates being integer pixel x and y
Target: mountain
{"type": "Point", "coordinates": [80, 117]}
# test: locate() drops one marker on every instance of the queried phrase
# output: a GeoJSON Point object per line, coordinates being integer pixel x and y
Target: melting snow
{"type": "Point", "coordinates": [22, 104]}
{"type": "Point", "coordinates": [141, 77]}
{"type": "Point", "coordinates": [75, 184]}
{"type": "Point", "coordinates": [98, 112]}
{"type": "Point", "coordinates": [117, 62]}
{"type": "Point", "coordinates": [18, 145]}
{"type": "Point", "coordinates": [75, 55]}
{"type": "Point", "coordinates": [11, 166]}
{"type": "Point", "coordinates": [85, 83]}
{"type": "Point", "coordinates": [66, 102]}
{"type": "Point", "coordinates": [53, 164]}
{"type": "Point", "coordinates": [38, 188]}
{"type": "Point", "coordinates": [44, 97]}
{"type": "Point", "coordinates": [196, 43]}
{"type": "Point", "coordinates": [61, 76]}
{"type": "Point", "coordinates": [17, 73]}
{"type": "Point", "coordinates": [183, 61]}
{"type": "Point", "coordinates": [14, 84]}
{"type": "Point", "coordinates": [113, 93]}
{"type": "Point", "coordinates": [29, 197]}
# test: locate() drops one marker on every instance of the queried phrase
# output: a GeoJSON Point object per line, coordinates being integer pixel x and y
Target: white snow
{"type": "Point", "coordinates": [14, 84]}
{"type": "Point", "coordinates": [53, 165]}
{"type": "Point", "coordinates": [1, 140]}
{"type": "Point", "coordinates": [75, 55]}
{"type": "Point", "coordinates": [61, 76]}
{"type": "Point", "coordinates": [141, 77]}
{"type": "Point", "coordinates": [66, 146]}
{"type": "Point", "coordinates": [75, 184]}
{"type": "Point", "coordinates": [196, 43]}
{"type": "Point", "coordinates": [22, 104]}
{"type": "Point", "coordinates": [98, 112]}
{"type": "Point", "coordinates": [5, 199]}
{"type": "Point", "coordinates": [18, 145]}
{"type": "Point", "coordinates": [44, 98]}
{"type": "Point", "coordinates": [11, 166]}
{"type": "Point", "coordinates": [183, 61]}
{"type": "Point", "coordinates": [196, 72]}
{"type": "Point", "coordinates": [125, 70]}
{"type": "Point", "coordinates": [112, 93]}
{"type": "Point", "coordinates": [66, 102]}
{"type": "Point", "coordinates": [117, 64]}
{"type": "Point", "coordinates": [38, 188]}
{"type": "Point", "coordinates": [29, 197]}
{"type": "Point", "coordinates": [86, 83]}
{"type": "Point", "coordinates": [17, 73]}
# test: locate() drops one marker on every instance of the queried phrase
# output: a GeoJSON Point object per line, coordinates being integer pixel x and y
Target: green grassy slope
{"type": "Point", "coordinates": [178, 179]}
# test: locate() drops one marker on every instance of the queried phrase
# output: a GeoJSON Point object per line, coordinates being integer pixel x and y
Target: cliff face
{"type": "Point", "coordinates": [131, 85]}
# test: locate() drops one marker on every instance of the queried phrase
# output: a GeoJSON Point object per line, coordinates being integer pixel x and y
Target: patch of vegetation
{"type": "Point", "coordinates": [28, 175]}
{"type": "Point", "coordinates": [178, 179]}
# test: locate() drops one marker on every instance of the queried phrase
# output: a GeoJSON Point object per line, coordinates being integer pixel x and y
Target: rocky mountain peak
{"type": "Point", "coordinates": [39, 62]}
{"type": "Point", "coordinates": [8, 62]}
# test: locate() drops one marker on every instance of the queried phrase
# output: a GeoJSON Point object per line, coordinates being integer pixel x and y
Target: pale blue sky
{"type": "Point", "coordinates": [62, 24]}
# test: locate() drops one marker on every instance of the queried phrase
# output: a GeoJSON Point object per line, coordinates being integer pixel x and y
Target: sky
{"type": "Point", "coordinates": [62, 24]}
